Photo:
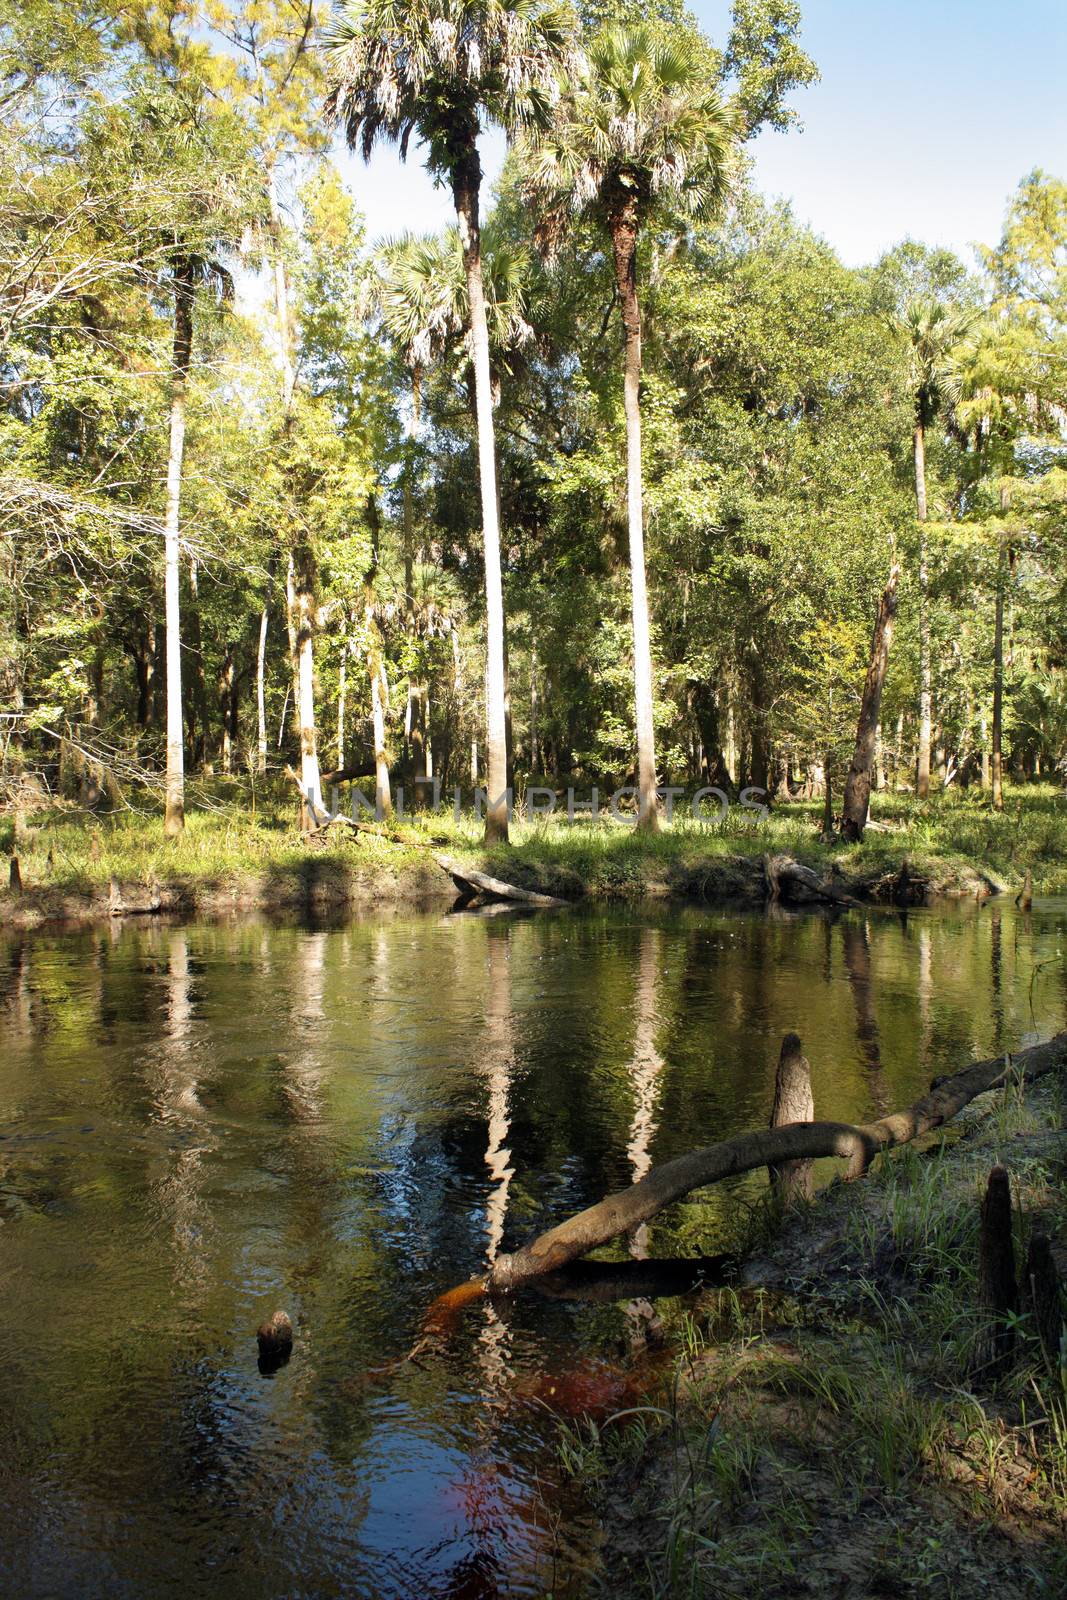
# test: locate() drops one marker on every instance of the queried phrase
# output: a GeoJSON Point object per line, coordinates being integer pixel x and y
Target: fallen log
{"type": "Point", "coordinates": [605, 1281]}
{"type": "Point", "coordinates": [467, 880]}
{"type": "Point", "coordinates": [621, 1212]}
{"type": "Point", "coordinates": [782, 872]}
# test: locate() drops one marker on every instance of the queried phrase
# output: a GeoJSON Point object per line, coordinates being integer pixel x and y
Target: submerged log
{"type": "Point", "coordinates": [998, 1294]}
{"type": "Point", "coordinates": [793, 1102]}
{"type": "Point", "coordinates": [621, 1212]}
{"type": "Point", "coordinates": [467, 880]}
{"type": "Point", "coordinates": [649, 1279]}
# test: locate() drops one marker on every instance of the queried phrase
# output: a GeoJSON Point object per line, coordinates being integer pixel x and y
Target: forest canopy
{"type": "Point", "coordinates": [613, 482]}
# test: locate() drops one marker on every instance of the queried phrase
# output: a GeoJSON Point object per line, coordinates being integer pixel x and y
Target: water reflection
{"type": "Point", "coordinates": [203, 1123]}
{"type": "Point", "coordinates": [499, 1066]}
{"type": "Point", "coordinates": [646, 1068]}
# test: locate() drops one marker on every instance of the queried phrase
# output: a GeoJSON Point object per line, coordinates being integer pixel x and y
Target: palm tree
{"type": "Point", "coordinates": [421, 295]}
{"type": "Point", "coordinates": [435, 69]}
{"type": "Point", "coordinates": [932, 331]}
{"type": "Point", "coordinates": [642, 126]}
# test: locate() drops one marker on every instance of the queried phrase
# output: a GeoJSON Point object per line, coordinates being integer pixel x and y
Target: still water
{"type": "Point", "coordinates": [201, 1123]}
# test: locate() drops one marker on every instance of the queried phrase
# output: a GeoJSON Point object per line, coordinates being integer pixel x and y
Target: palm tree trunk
{"type": "Point", "coordinates": [466, 183]}
{"type": "Point", "coordinates": [998, 691]}
{"type": "Point", "coordinates": [922, 774]}
{"type": "Point", "coordinates": [624, 241]}
{"type": "Point", "coordinates": [857, 797]}
{"type": "Point", "coordinates": [174, 816]}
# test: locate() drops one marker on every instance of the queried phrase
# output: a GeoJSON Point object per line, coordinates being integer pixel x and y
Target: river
{"type": "Point", "coordinates": [200, 1123]}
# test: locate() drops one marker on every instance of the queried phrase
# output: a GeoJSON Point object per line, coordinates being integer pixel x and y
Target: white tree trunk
{"type": "Point", "coordinates": [466, 186]}
{"type": "Point", "coordinates": [922, 775]}
{"type": "Point", "coordinates": [310, 782]}
{"type": "Point", "coordinates": [261, 696]}
{"type": "Point", "coordinates": [281, 293]}
{"type": "Point", "coordinates": [341, 709]}
{"type": "Point", "coordinates": [624, 240]}
{"type": "Point", "coordinates": [383, 800]}
{"type": "Point", "coordinates": [174, 817]}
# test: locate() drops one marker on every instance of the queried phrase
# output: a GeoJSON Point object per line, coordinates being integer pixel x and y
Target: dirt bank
{"type": "Point", "coordinates": [321, 882]}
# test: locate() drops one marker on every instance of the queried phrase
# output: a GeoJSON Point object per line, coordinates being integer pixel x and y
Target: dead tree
{"type": "Point", "coordinates": [793, 1102]}
{"type": "Point", "coordinates": [857, 796]}
{"type": "Point", "coordinates": [857, 1144]}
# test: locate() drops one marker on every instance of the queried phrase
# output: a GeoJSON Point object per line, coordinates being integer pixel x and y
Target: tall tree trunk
{"type": "Point", "coordinates": [465, 185]}
{"type": "Point", "coordinates": [310, 782]}
{"type": "Point", "coordinates": [624, 244]}
{"type": "Point", "coordinates": [174, 816]}
{"type": "Point", "coordinates": [383, 800]}
{"type": "Point", "coordinates": [998, 691]}
{"type": "Point", "coordinates": [290, 626]}
{"type": "Point", "coordinates": [197, 710]}
{"type": "Point", "coordinates": [858, 783]}
{"type": "Point", "coordinates": [226, 688]}
{"type": "Point", "coordinates": [281, 293]}
{"type": "Point", "coordinates": [535, 755]}
{"type": "Point", "coordinates": [922, 773]}
{"type": "Point", "coordinates": [341, 688]}
{"type": "Point", "coordinates": [302, 573]}
{"type": "Point", "coordinates": [759, 757]}
{"type": "Point", "coordinates": [413, 750]}
{"type": "Point", "coordinates": [417, 737]}
{"type": "Point", "coordinates": [261, 695]}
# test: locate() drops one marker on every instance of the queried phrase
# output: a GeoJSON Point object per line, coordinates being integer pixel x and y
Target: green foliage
{"type": "Point", "coordinates": [779, 394]}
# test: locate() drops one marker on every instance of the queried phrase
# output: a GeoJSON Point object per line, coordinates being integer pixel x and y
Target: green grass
{"type": "Point", "coordinates": [835, 1431]}
{"type": "Point", "coordinates": [236, 832]}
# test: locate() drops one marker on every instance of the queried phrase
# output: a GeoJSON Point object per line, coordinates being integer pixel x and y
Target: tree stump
{"type": "Point", "coordinates": [792, 1181]}
{"type": "Point", "coordinates": [14, 877]}
{"type": "Point", "coordinates": [275, 1340]}
{"type": "Point", "coordinates": [1041, 1296]}
{"type": "Point", "coordinates": [998, 1295]}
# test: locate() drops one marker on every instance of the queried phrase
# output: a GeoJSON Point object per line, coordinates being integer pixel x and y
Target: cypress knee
{"type": "Point", "coordinates": [997, 1291]}
{"type": "Point", "coordinates": [275, 1340]}
{"type": "Point", "coordinates": [793, 1102]}
{"type": "Point", "coordinates": [1041, 1296]}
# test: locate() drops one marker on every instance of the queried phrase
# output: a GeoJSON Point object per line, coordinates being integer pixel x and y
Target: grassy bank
{"type": "Point", "coordinates": [242, 849]}
{"type": "Point", "coordinates": [825, 1433]}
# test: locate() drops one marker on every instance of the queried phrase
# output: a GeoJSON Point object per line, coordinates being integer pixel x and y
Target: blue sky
{"type": "Point", "coordinates": [927, 116]}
